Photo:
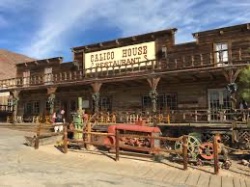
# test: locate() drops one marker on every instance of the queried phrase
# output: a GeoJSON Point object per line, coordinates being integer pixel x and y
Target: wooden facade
{"type": "Point", "coordinates": [183, 83]}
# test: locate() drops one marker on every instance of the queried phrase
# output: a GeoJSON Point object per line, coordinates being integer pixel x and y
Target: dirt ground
{"type": "Point", "coordinates": [48, 166]}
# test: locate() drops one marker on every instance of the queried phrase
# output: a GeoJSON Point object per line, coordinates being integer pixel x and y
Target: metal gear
{"type": "Point", "coordinates": [193, 146]}
{"type": "Point", "coordinates": [206, 150]}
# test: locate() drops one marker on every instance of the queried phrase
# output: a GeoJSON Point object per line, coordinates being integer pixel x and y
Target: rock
{"type": "Point", "coordinates": [244, 162]}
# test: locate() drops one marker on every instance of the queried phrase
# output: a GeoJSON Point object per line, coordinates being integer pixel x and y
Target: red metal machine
{"type": "Point", "coordinates": [133, 129]}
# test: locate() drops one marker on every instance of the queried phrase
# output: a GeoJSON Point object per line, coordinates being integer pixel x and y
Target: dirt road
{"type": "Point", "coordinates": [23, 166]}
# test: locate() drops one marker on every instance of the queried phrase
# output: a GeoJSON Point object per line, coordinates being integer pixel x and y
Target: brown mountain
{"type": "Point", "coordinates": [8, 61]}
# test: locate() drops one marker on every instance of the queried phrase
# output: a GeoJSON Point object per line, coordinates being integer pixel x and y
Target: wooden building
{"type": "Point", "coordinates": [142, 75]}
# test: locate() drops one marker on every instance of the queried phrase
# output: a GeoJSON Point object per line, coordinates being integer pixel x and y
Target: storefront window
{"type": "Point", "coordinates": [106, 104]}
{"type": "Point", "coordinates": [164, 101]}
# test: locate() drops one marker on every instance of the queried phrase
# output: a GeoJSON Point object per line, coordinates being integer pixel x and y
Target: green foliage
{"type": "Point", "coordinates": [245, 81]}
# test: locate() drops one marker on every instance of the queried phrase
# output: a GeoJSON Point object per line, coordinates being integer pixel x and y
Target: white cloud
{"type": "Point", "coordinates": [61, 19]}
{"type": "Point", "coordinates": [56, 22]}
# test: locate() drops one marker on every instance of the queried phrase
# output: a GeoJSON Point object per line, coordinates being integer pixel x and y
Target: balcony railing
{"type": "Point", "coordinates": [6, 108]}
{"type": "Point", "coordinates": [199, 116]}
{"type": "Point", "coordinates": [171, 63]}
{"type": "Point", "coordinates": [178, 116]}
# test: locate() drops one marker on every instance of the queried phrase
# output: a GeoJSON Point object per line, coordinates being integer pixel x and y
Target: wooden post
{"type": "Point", "coordinates": [153, 65]}
{"type": "Point", "coordinates": [211, 58]}
{"type": "Point", "coordinates": [65, 139]}
{"type": "Point", "coordinates": [117, 148]}
{"type": "Point", "coordinates": [192, 60]}
{"type": "Point", "coordinates": [240, 58]}
{"type": "Point", "coordinates": [216, 158]}
{"type": "Point", "coordinates": [176, 63]}
{"type": "Point", "coordinates": [88, 135]}
{"type": "Point", "coordinates": [184, 152]}
{"type": "Point", "coordinates": [201, 58]}
{"type": "Point", "coordinates": [196, 115]}
{"type": "Point", "coordinates": [36, 146]}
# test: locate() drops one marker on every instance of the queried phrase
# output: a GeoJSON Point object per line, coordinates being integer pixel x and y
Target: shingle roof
{"type": "Point", "coordinates": [8, 61]}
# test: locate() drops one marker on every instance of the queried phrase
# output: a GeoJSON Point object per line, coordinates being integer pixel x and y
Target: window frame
{"type": "Point", "coordinates": [48, 76]}
{"type": "Point", "coordinates": [32, 107]}
{"type": "Point", "coordinates": [221, 56]}
{"type": "Point", "coordinates": [163, 103]}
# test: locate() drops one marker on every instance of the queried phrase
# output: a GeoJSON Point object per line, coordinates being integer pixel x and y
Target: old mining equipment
{"type": "Point", "coordinates": [199, 152]}
{"type": "Point", "coordinates": [233, 138]}
{"type": "Point", "coordinates": [133, 143]}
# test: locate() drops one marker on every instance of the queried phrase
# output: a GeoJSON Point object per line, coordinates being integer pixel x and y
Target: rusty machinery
{"type": "Point", "coordinates": [198, 152]}
{"type": "Point", "coordinates": [201, 153]}
{"type": "Point", "coordinates": [133, 129]}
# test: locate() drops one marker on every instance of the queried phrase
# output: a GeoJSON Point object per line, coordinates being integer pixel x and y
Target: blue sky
{"type": "Point", "coordinates": [50, 28]}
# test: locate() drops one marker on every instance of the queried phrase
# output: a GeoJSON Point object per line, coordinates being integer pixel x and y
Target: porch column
{"type": "Point", "coordinates": [96, 95]}
{"type": "Point", "coordinates": [153, 82]}
{"type": "Point", "coordinates": [14, 101]}
{"type": "Point", "coordinates": [51, 98]}
{"type": "Point", "coordinates": [231, 75]}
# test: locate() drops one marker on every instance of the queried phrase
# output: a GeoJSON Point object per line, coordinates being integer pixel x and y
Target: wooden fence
{"type": "Point", "coordinates": [43, 130]}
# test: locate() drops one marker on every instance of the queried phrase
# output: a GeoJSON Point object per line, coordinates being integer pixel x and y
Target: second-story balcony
{"type": "Point", "coordinates": [170, 64]}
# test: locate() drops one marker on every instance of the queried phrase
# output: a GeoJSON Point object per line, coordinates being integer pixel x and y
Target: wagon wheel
{"type": "Point", "coordinates": [193, 146]}
{"type": "Point", "coordinates": [206, 150]}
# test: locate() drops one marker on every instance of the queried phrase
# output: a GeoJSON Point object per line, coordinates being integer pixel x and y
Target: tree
{"type": "Point", "coordinates": [245, 83]}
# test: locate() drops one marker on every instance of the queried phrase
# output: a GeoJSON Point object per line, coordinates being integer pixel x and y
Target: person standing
{"type": "Point", "coordinates": [59, 120]}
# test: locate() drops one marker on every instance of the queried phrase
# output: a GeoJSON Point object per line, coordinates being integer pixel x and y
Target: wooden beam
{"type": "Point", "coordinates": [153, 82]}
{"type": "Point", "coordinates": [16, 93]}
{"type": "Point", "coordinates": [117, 42]}
{"type": "Point", "coordinates": [96, 86]}
{"type": "Point", "coordinates": [133, 38]}
{"type": "Point", "coordinates": [231, 75]}
{"type": "Point", "coordinates": [51, 90]}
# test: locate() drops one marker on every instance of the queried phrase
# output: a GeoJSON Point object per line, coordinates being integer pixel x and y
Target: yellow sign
{"type": "Point", "coordinates": [122, 56]}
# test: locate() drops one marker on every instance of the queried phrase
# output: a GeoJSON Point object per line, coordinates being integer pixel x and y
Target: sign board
{"type": "Point", "coordinates": [120, 57]}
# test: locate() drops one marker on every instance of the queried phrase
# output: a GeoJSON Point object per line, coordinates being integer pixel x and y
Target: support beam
{"type": "Point", "coordinates": [14, 100]}
{"type": "Point", "coordinates": [96, 86]}
{"type": "Point", "coordinates": [96, 95]}
{"type": "Point", "coordinates": [231, 75]}
{"type": "Point", "coordinates": [153, 82]}
{"type": "Point", "coordinates": [51, 98]}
